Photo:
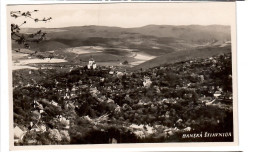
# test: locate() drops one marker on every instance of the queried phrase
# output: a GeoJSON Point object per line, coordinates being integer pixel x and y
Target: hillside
{"type": "Point", "coordinates": [161, 37]}
{"type": "Point", "coordinates": [159, 104]}
{"type": "Point", "coordinates": [189, 33]}
{"type": "Point", "coordinates": [183, 56]}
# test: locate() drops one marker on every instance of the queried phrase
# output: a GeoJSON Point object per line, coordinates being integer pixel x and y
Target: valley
{"type": "Point", "coordinates": [112, 46]}
{"type": "Point", "coordinates": [99, 85]}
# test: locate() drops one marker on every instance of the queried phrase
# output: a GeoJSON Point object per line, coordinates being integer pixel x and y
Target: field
{"type": "Point", "coordinates": [112, 46]}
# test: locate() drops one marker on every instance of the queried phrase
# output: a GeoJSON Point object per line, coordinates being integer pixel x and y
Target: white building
{"type": "Point", "coordinates": [147, 82]}
{"type": "Point", "coordinates": [18, 134]}
{"type": "Point", "coordinates": [92, 64]}
{"type": "Point", "coordinates": [217, 94]}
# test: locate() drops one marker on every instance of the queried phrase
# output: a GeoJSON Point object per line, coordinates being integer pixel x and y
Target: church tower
{"type": "Point", "coordinates": [92, 64]}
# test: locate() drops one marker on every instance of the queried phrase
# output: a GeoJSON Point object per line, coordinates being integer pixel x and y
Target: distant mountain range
{"type": "Point", "coordinates": [150, 36]}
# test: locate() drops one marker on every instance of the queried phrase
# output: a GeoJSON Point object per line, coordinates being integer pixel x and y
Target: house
{"type": "Point", "coordinates": [38, 127]}
{"type": "Point", "coordinates": [73, 91]}
{"type": "Point", "coordinates": [119, 74]}
{"type": "Point", "coordinates": [54, 103]}
{"type": "Point", "coordinates": [210, 102]}
{"type": "Point", "coordinates": [37, 105]}
{"type": "Point", "coordinates": [88, 119]}
{"type": "Point", "coordinates": [18, 134]}
{"type": "Point", "coordinates": [112, 141]}
{"type": "Point", "coordinates": [60, 90]}
{"type": "Point", "coordinates": [66, 96]}
{"type": "Point", "coordinates": [94, 65]}
{"type": "Point", "coordinates": [111, 72]}
{"type": "Point", "coordinates": [110, 100]}
{"type": "Point", "coordinates": [187, 129]}
{"type": "Point", "coordinates": [83, 86]}
{"type": "Point", "coordinates": [217, 94]}
{"type": "Point", "coordinates": [165, 101]}
{"type": "Point", "coordinates": [202, 78]}
{"type": "Point", "coordinates": [118, 109]}
{"type": "Point", "coordinates": [220, 88]}
{"type": "Point", "coordinates": [205, 99]}
{"type": "Point", "coordinates": [64, 122]}
{"type": "Point", "coordinates": [70, 105]}
{"type": "Point", "coordinates": [48, 59]}
{"type": "Point", "coordinates": [147, 82]}
{"type": "Point", "coordinates": [179, 121]}
{"type": "Point", "coordinates": [94, 91]}
{"type": "Point", "coordinates": [35, 115]}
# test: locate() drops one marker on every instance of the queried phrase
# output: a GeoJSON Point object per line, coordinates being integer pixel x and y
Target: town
{"type": "Point", "coordinates": [95, 104]}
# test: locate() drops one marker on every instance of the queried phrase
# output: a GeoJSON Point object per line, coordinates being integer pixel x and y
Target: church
{"type": "Point", "coordinates": [92, 64]}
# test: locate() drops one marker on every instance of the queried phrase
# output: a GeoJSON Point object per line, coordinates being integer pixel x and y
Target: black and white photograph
{"type": "Point", "coordinates": [122, 73]}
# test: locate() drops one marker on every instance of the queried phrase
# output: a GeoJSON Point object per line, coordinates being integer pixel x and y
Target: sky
{"type": "Point", "coordinates": [128, 15]}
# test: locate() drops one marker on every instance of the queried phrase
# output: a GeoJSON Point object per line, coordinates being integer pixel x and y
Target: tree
{"type": "Point", "coordinates": [26, 39]}
{"type": "Point", "coordinates": [125, 62]}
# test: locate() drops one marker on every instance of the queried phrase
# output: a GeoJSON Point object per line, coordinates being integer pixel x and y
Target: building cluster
{"type": "Point", "coordinates": [150, 103]}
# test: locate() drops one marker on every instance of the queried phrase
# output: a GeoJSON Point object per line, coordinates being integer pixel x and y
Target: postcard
{"type": "Point", "coordinates": [122, 75]}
